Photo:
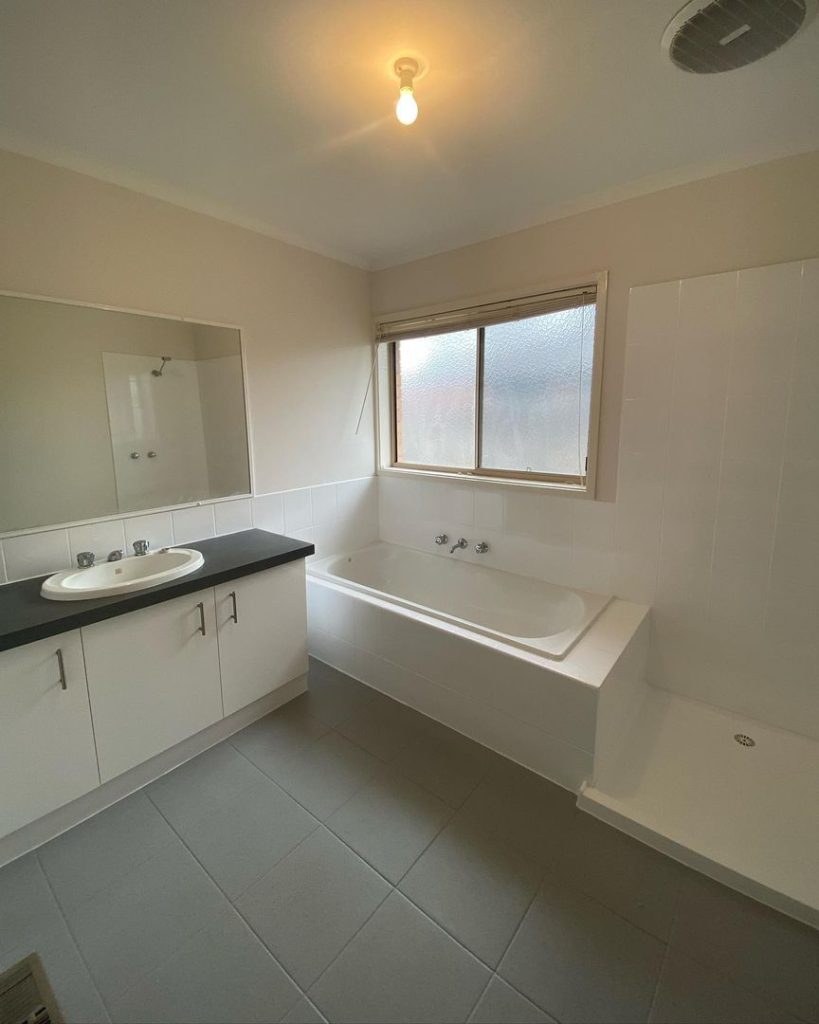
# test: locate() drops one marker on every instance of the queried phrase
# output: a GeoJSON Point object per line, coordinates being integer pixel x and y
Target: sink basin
{"type": "Point", "coordinates": [123, 577]}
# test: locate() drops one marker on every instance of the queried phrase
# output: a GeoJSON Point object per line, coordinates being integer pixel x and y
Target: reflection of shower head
{"type": "Point", "coordinates": [158, 373]}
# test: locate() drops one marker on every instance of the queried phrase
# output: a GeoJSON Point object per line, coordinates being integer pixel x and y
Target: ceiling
{"type": "Point", "coordinates": [277, 114]}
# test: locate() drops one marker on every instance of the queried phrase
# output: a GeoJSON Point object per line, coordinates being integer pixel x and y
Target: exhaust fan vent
{"type": "Point", "coordinates": [708, 36]}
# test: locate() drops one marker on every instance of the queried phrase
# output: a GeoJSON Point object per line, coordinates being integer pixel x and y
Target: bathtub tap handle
{"type": "Point", "coordinates": [461, 542]}
{"type": "Point", "coordinates": [441, 539]}
{"type": "Point", "coordinates": [481, 547]}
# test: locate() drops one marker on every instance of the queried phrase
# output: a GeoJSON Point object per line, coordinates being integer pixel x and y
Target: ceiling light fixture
{"type": "Point", "coordinates": [406, 108]}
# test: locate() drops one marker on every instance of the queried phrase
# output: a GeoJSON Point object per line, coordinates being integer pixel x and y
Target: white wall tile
{"type": "Point", "coordinates": [36, 554]}
{"type": "Point", "coordinates": [324, 503]}
{"type": "Point", "coordinates": [488, 508]}
{"type": "Point", "coordinates": [298, 511]}
{"type": "Point", "coordinates": [232, 516]}
{"type": "Point", "coordinates": [358, 500]}
{"type": "Point", "coordinates": [101, 538]}
{"type": "Point", "coordinates": [190, 524]}
{"type": "Point", "coordinates": [156, 528]}
{"type": "Point", "coordinates": [767, 312]}
{"type": "Point", "coordinates": [268, 512]}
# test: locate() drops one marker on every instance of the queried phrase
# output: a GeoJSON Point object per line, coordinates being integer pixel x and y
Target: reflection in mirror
{"type": "Point", "coordinates": [103, 412]}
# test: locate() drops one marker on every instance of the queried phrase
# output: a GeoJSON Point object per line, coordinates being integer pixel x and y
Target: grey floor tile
{"type": "Point", "coordinates": [130, 927]}
{"type": "Point", "coordinates": [624, 875]}
{"type": "Point", "coordinates": [529, 813]}
{"type": "Point", "coordinates": [447, 764]}
{"type": "Point", "coordinates": [581, 962]}
{"type": "Point", "coordinates": [690, 993]}
{"type": "Point", "coordinates": [326, 774]}
{"type": "Point", "coordinates": [390, 822]}
{"type": "Point", "coordinates": [383, 726]}
{"type": "Point", "coordinates": [74, 990]}
{"type": "Point", "coordinates": [333, 696]}
{"type": "Point", "coordinates": [501, 1004]}
{"type": "Point", "coordinates": [762, 950]}
{"type": "Point", "coordinates": [221, 973]}
{"type": "Point", "coordinates": [475, 886]}
{"type": "Point", "coordinates": [312, 903]}
{"type": "Point", "coordinates": [237, 822]}
{"type": "Point", "coordinates": [96, 853]}
{"type": "Point", "coordinates": [274, 739]}
{"type": "Point", "coordinates": [27, 906]}
{"type": "Point", "coordinates": [303, 1013]}
{"type": "Point", "coordinates": [400, 967]}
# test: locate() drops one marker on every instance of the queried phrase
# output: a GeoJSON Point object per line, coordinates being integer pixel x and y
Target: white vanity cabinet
{"type": "Point", "coordinates": [47, 755]}
{"type": "Point", "coordinates": [153, 678]}
{"type": "Point", "coordinates": [262, 635]}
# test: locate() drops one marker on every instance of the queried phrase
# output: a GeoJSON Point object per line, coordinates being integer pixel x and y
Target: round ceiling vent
{"type": "Point", "coordinates": [708, 36]}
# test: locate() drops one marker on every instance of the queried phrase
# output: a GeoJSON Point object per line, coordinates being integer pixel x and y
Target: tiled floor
{"type": "Point", "coordinates": [347, 859]}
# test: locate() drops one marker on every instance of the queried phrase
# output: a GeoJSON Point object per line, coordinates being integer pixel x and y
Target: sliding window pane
{"type": "Point", "coordinates": [537, 393]}
{"type": "Point", "coordinates": [435, 400]}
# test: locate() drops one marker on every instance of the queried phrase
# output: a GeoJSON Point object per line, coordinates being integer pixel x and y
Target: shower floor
{"type": "Point", "coordinates": [744, 814]}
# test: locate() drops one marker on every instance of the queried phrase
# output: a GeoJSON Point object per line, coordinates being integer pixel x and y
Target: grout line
{"type": "Point", "coordinates": [71, 935]}
{"type": "Point", "coordinates": [784, 449]}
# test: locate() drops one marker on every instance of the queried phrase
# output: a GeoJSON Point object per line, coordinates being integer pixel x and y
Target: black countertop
{"type": "Point", "coordinates": [25, 616]}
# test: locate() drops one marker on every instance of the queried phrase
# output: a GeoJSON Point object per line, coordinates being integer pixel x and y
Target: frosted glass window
{"type": "Point", "coordinates": [435, 399]}
{"type": "Point", "coordinates": [537, 377]}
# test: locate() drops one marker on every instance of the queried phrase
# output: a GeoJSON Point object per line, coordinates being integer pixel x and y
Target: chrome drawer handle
{"type": "Point", "coordinates": [61, 666]}
{"type": "Point", "coordinates": [201, 607]}
{"type": "Point", "coordinates": [235, 615]}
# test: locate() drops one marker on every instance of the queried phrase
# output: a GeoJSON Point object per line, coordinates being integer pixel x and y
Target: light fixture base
{"type": "Point", "coordinates": [406, 64]}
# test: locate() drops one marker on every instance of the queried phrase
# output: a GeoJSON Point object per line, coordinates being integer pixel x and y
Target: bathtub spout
{"type": "Point", "coordinates": [462, 542]}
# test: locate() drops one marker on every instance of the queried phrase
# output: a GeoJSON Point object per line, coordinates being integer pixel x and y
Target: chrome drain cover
{"type": "Point", "coordinates": [743, 740]}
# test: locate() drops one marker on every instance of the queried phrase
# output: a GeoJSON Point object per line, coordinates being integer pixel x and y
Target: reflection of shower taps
{"type": "Point", "coordinates": [158, 373]}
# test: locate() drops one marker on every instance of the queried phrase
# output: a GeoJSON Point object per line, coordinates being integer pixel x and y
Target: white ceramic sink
{"type": "Point", "coordinates": [123, 577]}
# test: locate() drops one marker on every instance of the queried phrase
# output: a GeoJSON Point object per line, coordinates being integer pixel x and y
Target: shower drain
{"type": "Point", "coordinates": [743, 740]}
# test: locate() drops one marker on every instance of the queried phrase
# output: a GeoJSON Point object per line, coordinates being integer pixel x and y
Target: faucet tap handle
{"type": "Point", "coordinates": [141, 547]}
{"type": "Point", "coordinates": [481, 547]}
{"type": "Point", "coordinates": [441, 538]}
{"type": "Point", "coordinates": [85, 559]}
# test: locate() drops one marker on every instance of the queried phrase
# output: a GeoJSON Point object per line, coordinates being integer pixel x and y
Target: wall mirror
{"type": "Point", "coordinates": [105, 412]}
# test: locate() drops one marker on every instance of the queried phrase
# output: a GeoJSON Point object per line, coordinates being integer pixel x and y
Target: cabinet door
{"type": "Point", "coordinates": [153, 678]}
{"type": "Point", "coordinates": [262, 633]}
{"type": "Point", "coordinates": [47, 755]}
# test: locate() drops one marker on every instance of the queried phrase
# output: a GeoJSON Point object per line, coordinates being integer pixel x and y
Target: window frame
{"type": "Point", "coordinates": [387, 397]}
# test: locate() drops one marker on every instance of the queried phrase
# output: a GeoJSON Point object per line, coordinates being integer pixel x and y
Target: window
{"type": "Point", "coordinates": [505, 389]}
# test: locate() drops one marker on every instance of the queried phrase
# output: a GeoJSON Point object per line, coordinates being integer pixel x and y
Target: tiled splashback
{"type": "Point", "coordinates": [716, 522]}
{"type": "Point", "coordinates": [333, 516]}
{"type": "Point", "coordinates": [554, 537]}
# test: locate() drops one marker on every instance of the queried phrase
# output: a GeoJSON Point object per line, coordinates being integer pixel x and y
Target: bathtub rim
{"type": "Point", "coordinates": [566, 640]}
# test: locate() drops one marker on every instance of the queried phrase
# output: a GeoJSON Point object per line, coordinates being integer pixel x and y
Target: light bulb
{"type": "Point", "coordinates": [406, 109]}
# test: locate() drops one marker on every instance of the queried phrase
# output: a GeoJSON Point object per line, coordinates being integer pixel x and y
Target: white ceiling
{"type": "Point", "coordinates": [277, 114]}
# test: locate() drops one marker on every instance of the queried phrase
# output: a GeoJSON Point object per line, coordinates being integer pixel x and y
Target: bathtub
{"type": "Point", "coordinates": [526, 613]}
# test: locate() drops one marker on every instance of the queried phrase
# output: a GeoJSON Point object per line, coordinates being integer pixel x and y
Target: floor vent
{"type": "Point", "coordinates": [709, 36]}
{"type": "Point", "coordinates": [26, 996]}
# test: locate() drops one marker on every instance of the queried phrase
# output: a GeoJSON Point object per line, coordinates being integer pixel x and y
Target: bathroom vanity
{"type": "Point", "coordinates": [92, 690]}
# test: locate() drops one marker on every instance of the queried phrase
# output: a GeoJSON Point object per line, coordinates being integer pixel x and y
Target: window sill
{"type": "Point", "coordinates": [573, 491]}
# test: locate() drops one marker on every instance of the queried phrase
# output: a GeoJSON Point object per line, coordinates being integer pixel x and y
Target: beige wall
{"type": "Point", "coordinates": [760, 215]}
{"type": "Point", "coordinates": [304, 318]}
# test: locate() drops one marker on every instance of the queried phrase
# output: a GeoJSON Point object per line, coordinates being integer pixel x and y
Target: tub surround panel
{"type": "Point", "coordinates": [25, 616]}
{"type": "Point", "coordinates": [539, 712]}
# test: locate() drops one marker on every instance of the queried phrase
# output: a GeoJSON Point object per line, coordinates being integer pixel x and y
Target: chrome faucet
{"type": "Point", "coordinates": [141, 547]}
{"type": "Point", "coordinates": [461, 542]}
{"type": "Point", "coordinates": [85, 559]}
{"type": "Point", "coordinates": [481, 547]}
{"type": "Point", "coordinates": [441, 538]}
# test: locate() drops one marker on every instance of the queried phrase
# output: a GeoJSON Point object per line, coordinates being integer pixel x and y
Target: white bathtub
{"type": "Point", "coordinates": [525, 613]}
